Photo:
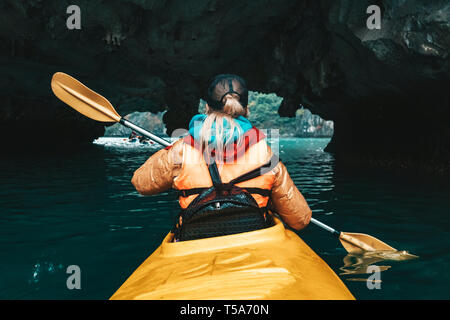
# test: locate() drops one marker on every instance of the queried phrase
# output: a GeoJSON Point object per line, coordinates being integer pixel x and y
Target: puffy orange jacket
{"type": "Point", "coordinates": [182, 166]}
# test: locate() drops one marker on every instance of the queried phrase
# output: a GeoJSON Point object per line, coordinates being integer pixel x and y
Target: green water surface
{"type": "Point", "coordinates": [79, 208]}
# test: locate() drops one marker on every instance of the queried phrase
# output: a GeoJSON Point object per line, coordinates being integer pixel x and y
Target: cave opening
{"type": "Point", "coordinates": [263, 114]}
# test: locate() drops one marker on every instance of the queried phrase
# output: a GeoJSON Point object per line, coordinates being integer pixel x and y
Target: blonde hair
{"type": "Point", "coordinates": [231, 110]}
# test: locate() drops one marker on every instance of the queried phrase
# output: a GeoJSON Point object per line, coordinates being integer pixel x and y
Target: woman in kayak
{"type": "Point", "coordinates": [237, 147]}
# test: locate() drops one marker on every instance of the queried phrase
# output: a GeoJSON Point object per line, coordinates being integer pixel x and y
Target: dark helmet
{"type": "Point", "coordinates": [224, 84]}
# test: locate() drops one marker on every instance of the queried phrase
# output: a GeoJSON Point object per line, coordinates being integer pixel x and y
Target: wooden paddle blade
{"type": "Point", "coordinates": [83, 99]}
{"type": "Point", "coordinates": [357, 242]}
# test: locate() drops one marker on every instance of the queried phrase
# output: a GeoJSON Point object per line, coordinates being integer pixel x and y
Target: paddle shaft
{"type": "Point", "coordinates": [149, 135]}
{"type": "Point", "coordinates": [343, 236]}
{"type": "Point", "coordinates": [325, 227]}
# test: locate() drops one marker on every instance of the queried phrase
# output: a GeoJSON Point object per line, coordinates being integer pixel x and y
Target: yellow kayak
{"type": "Point", "coordinates": [272, 263]}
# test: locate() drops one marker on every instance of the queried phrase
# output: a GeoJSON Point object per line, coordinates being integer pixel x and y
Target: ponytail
{"type": "Point", "coordinates": [231, 110]}
{"type": "Point", "coordinates": [233, 107]}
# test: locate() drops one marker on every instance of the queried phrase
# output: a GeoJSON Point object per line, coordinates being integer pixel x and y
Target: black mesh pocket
{"type": "Point", "coordinates": [229, 221]}
{"type": "Point", "coordinates": [218, 213]}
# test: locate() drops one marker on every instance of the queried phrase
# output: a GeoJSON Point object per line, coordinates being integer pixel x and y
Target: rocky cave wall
{"type": "Point", "coordinates": [387, 90]}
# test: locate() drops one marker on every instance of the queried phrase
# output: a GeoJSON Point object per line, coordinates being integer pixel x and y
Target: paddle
{"type": "Point", "coordinates": [97, 107]}
{"type": "Point", "coordinates": [356, 242]}
{"type": "Point", "coordinates": [93, 105]}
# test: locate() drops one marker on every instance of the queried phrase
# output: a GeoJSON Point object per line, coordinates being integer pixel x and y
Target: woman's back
{"type": "Point", "coordinates": [224, 136]}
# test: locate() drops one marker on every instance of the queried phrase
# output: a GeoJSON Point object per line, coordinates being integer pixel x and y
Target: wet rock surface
{"type": "Point", "coordinates": [386, 90]}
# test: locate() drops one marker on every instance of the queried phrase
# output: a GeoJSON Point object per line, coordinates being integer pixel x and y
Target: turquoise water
{"type": "Point", "coordinates": [80, 209]}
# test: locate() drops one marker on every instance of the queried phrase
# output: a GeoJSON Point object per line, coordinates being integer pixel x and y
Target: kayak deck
{"type": "Point", "coordinates": [272, 263]}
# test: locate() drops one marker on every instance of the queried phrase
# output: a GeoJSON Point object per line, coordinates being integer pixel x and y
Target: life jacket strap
{"type": "Point", "coordinates": [215, 176]}
{"type": "Point", "coordinates": [189, 192]}
{"type": "Point", "coordinates": [217, 182]}
{"type": "Point", "coordinates": [269, 166]}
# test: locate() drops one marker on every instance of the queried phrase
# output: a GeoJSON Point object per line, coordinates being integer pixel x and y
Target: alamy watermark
{"type": "Point", "coordinates": [374, 280]}
{"type": "Point", "coordinates": [374, 20]}
{"type": "Point", "coordinates": [74, 280]}
{"type": "Point", "coordinates": [73, 22]}
{"type": "Point", "coordinates": [233, 152]}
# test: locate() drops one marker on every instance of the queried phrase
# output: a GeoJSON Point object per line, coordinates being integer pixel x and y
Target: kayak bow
{"type": "Point", "coordinates": [272, 263]}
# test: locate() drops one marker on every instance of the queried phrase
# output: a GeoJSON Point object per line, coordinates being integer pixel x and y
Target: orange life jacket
{"type": "Point", "coordinates": [251, 154]}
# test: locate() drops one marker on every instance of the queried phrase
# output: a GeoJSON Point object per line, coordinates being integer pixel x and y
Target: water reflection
{"type": "Point", "coordinates": [358, 263]}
